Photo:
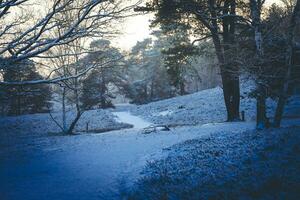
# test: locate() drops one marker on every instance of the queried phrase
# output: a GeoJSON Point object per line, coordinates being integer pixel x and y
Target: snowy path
{"type": "Point", "coordinates": [128, 118]}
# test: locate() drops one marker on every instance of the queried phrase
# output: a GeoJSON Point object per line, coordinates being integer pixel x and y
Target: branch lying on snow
{"type": "Point", "coordinates": [155, 128]}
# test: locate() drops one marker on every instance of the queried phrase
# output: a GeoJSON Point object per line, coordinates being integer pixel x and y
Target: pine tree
{"type": "Point", "coordinates": [96, 86]}
{"type": "Point", "coordinates": [24, 99]}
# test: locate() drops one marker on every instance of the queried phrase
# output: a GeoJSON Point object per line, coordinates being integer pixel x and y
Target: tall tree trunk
{"type": "Point", "coordinates": [229, 72]}
{"type": "Point", "coordinates": [77, 102]}
{"type": "Point", "coordinates": [235, 69]}
{"type": "Point", "coordinates": [231, 86]}
{"type": "Point", "coordinates": [261, 116]}
{"type": "Point", "coordinates": [283, 94]}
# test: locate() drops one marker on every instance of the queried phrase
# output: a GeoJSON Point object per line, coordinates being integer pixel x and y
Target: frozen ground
{"type": "Point", "coordinates": [128, 118]}
{"type": "Point", "coordinates": [204, 107]}
{"type": "Point", "coordinates": [226, 165]}
{"type": "Point", "coordinates": [37, 164]}
{"type": "Point", "coordinates": [91, 166]}
{"type": "Point", "coordinates": [41, 125]}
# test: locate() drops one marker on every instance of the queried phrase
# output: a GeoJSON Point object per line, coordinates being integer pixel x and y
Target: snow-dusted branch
{"type": "Point", "coordinates": [62, 78]}
{"type": "Point", "coordinates": [20, 41]}
{"type": "Point", "coordinates": [36, 40]}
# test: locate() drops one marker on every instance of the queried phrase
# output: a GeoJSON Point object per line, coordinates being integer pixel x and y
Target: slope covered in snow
{"type": "Point", "coordinates": [41, 125]}
{"type": "Point", "coordinates": [201, 107]}
{"type": "Point", "coordinates": [107, 165]}
{"type": "Point", "coordinates": [205, 107]}
{"type": "Point", "coordinates": [226, 165]}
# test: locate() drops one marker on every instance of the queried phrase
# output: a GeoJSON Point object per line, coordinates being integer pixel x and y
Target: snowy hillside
{"type": "Point", "coordinates": [41, 125]}
{"type": "Point", "coordinates": [204, 107]}
{"type": "Point", "coordinates": [226, 165]}
{"type": "Point", "coordinates": [199, 108]}
{"type": "Point", "coordinates": [109, 165]}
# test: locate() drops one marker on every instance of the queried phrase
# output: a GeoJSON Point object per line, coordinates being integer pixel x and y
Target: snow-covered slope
{"type": "Point", "coordinates": [41, 125]}
{"type": "Point", "coordinates": [205, 107]}
{"type": "Point", "coordinates": [226, 165]}
{"type": "Point", "coordinates": [201, 107]}
{"type": "Point", "coordinates": [105, 166]}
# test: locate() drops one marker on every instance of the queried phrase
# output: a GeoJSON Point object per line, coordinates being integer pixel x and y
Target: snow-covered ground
{"type": "Point", "coordinates": [94, 166]}
{"type": "Point", "coordinates": [41, 125]}
{"type": "Point", "coordinates": [226, 165]}
{"type": "Point", "coordinates": [205, 107]}
{"type": "Point", "coordinates": [128, 118]}
{"type": "Point", "coordinates": [43, 165]}
{"type": "Point", "coordinates": [201, 107]}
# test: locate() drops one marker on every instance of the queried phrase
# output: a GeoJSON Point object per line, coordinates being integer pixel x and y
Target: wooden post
{"type": "Point", "coordinates": [243, 116]}
{"type": "Point", "coordinates": [87, 127]}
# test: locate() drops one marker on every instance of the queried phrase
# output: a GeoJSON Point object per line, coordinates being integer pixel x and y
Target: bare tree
{"type": "Point", "coordinates": [66, 58]}
{"type": "Point", "coordinates": [31, 41]}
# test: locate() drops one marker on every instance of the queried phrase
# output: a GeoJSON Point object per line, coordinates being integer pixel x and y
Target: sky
{"type": "Point", "coordinates": [134, 29]}
{"type": "Point", "coordinates": [137, 29]}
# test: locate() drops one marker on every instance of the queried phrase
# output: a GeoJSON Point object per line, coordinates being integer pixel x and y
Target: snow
{"type": "Point", "coordinates": [229, 163]}
{"type": "Point", "coordinates": [206, 106]}
{"type": "Point", "coordinates": [41, 125]}
{"type": "Point", "coordinates": [199, 108]}
{"type": "Point", "coordinates": [165, 113]}
{"type": "Point", "coordinates": [38, 164]}
{"type": "Point", "coordinates": [127, 118]}
{"type": "Point", "coordinates": [98, 164]}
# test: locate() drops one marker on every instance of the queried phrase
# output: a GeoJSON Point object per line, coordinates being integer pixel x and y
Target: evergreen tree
{"type": "Point", "coordinates": [208, 19]}
{"type": "Point", "coordinates": [96, 86]}
{"type": "Point", "coordinates": [95, 91]}
{"type": "Point", "coordinates": [177, 54]}
{"type": "Point", "coordinates": [148, 79]}
{"type": "Point", "coordinates": [24, 99]}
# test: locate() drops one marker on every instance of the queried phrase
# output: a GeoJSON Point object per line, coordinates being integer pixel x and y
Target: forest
{"type": "Point", "coordinates": [149, 99]}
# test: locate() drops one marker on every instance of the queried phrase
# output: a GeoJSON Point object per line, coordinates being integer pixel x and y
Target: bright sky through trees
{"type": "Point", "coordinates": [137, 28]}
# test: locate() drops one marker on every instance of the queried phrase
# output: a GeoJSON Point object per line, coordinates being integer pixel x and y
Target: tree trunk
{"type": "Point", "coordinates": [64, 120]}
{"type": "Point", "coordinates": [231, 90]}
{"type": "Point", "coordinates": [182, 88]}
{"type": "Point", "coordinates": [261, 110]}
{"type": "Point", "coordinates": [103, 89]}
{"type": "Point", "coordinates": [231, 85]}
{"type": "Point", "coordinates": [73, 124]}
{"type": "Point", "coordinates": [261, 116]}
{"type": "Point", "coordinates": [77, 102]}
{"type": "Point", "coordinates": [283, 94]}
{"type": "Point", "coordinates": [78, 111]}
{"type": "Point", "coordinates": [229, 72]}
